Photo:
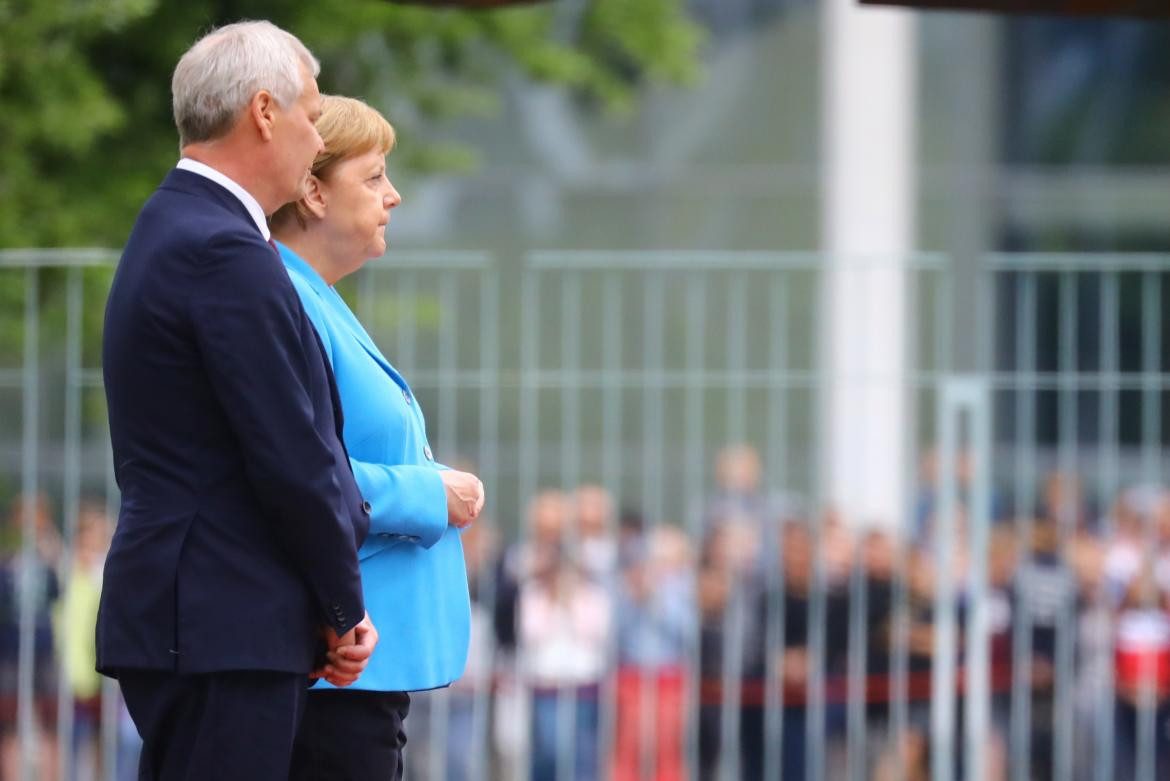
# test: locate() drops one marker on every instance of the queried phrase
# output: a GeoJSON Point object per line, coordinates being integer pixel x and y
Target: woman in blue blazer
{"type": "Point", "coordinates": [413, 575]}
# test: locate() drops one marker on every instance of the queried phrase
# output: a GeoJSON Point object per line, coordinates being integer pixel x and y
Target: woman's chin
{"type": "Point", "coordinates": [376, 250]}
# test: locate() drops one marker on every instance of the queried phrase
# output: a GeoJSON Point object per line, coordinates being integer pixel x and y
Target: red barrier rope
{"type": "Point", "coordinates": [878, 687]}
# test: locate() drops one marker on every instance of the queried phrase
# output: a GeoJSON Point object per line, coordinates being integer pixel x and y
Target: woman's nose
{"type": "Point", "coordinates": [392, 198]}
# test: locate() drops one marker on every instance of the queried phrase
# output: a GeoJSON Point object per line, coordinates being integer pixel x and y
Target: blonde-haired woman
{"type": "Point", "coordinates": [413, 574]}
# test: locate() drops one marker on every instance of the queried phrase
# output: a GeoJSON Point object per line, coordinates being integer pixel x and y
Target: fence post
{"type": "Point", "coordinates": [963, 399]}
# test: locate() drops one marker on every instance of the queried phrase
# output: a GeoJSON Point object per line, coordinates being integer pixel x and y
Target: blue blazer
{"type": "Point", "coordinates": [414, 576]}
{"type": "Point", "coordinates": [238, 534]}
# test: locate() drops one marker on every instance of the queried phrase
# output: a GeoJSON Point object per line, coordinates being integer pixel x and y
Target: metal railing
{"type": "Point", "coordinates": [632, 371]}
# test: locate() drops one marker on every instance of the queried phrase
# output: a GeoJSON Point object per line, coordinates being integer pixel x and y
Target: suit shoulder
{"type": "Point", "coordinates": [183, 220]}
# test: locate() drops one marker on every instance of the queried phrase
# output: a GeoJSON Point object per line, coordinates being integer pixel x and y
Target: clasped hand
{"type": "Point", "coordinates": [347, 656]}
{"type": "Point", "coordinates": [464, 497]}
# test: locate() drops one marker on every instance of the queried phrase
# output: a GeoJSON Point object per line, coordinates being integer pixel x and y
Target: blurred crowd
{"type": "Point", "coordinates": [610, 645]}
{"type": "Point", "coordinates": [603, 638]}
{"type": "Point", "coordinates": [61, 592]}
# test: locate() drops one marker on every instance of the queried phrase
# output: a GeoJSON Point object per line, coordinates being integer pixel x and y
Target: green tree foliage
{"type": "Point", "coordinates": [85, 123]}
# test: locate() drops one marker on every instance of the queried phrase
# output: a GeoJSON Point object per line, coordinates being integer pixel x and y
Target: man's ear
{"type": "Point", "coordinates": [262, 111]}
{"type": "Point", "coordinates": [314, 198]}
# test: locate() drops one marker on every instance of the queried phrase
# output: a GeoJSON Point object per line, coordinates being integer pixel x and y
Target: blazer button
{"type": "Point", "coordinates": [366, 508]}
{"type": "Point", "coordinates": [427, 453]}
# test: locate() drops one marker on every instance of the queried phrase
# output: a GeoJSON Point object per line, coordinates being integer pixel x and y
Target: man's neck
{"type": "Point", "coordinates": [239, 167]}
{"type": "Point", "coordinates": [255, 210]}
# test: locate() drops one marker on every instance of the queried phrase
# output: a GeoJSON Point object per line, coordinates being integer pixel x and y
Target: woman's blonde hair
{"type": "Point", "coordinates": [349, 127]}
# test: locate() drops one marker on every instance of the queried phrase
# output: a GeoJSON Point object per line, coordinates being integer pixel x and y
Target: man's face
{"type": "Point", "coordinates": [296, 140]}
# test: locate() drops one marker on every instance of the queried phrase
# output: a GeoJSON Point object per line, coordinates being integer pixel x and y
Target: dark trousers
{"type": "Point", "coordinates": [351, 735]}
{"type": "Point", "coordinates": [223, 726]}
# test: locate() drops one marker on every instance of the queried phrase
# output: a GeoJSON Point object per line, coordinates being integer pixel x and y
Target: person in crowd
{"type": "Point", "coordinates": [911, 750]}
{"type": "Point", "coordinates": [727, 561]}
{"type": "Point", "coordinates": [412, 566]}
{"type": "Point", "coordinates": [1133, 519]}
{"type": "Point", "coordinates": [738, 490]}
{"type": "Point", "coordinates": [44, 592]}
{"type": "Point", "coordinates": [656, 614]}
{"type": "Point", "coordinates": [546, 525]}
{"type": "Point", "coordinates": [1002, 561]}
{"type": "Point", "coordinates": [596, 541]}
{"type": "Point", "coordinates": [631, 535]}
{"type": "Point", "coordinates": [565, 620]}
{"type": "Point", "coordinates": [928, 499]}
{"type": "Point", "coordinates": [76, 621]}
{"type": "Point", "coordinates": [1160, 521]}
{"type": "Point", "coordinates": [1063, 501]}
{"type": "Point", "coordinates": [1046, 596]}
{"type": "Point", "coordinates": [795, 659]}
{"type": "Point", "coordinates": [1093, 647]}
{"type": "Point", "coordinates": [739, 499]}
{"type": "Point", "coordinates": [1142, 674]}
{"type": "Point", "coordinates": [838, 550]}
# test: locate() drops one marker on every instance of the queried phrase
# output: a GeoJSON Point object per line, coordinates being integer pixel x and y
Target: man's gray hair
{"type": "Point", "coordinates": [218, 76]}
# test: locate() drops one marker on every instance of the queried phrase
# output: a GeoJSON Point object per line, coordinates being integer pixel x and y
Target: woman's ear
{"type": "Point", "coordinates": [314, 199]}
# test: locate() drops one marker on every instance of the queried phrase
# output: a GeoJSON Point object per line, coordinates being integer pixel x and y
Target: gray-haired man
{"type": "Point", "coordinates": [236, 546]}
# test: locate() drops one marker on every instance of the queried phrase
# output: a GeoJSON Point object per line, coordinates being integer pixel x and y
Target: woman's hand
{"type": "Point", "coordinates": [464, 497]}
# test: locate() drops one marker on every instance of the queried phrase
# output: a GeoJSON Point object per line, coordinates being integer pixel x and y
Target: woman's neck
{"type": "Point", "coordinates": [313, 247]}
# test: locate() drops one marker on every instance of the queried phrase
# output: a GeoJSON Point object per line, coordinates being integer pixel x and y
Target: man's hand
{"type": "Point", "coordinates": [348, 655]}
{"type": "Point", "coordinates": [464, 497]}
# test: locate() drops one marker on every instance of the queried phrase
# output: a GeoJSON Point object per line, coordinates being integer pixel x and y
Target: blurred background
{"type": "Point", "coordinates": [814, 359]}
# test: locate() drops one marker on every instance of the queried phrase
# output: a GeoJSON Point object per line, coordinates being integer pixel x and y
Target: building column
{"type": "Point", "coordinates": [868, 233]}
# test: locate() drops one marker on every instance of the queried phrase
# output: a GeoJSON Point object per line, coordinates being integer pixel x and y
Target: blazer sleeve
{"type": "Point", "coordinates": [249, 326]}
{"type": "Point", "coordinates": [406, 501]}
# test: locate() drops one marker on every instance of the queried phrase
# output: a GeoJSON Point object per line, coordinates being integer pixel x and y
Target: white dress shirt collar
{"type": "Point", "coordinates": [245, 197]}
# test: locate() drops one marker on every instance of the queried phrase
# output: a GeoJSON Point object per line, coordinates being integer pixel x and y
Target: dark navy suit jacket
{"type": "Point", "coordinates": [240, 521]}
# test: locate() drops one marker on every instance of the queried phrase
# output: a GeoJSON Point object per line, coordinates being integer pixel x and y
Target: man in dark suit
{"type": "Point", "coordinates": [236, 546]}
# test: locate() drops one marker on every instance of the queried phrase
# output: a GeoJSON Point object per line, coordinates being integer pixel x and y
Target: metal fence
{"type": "Point", "coordinates": [1012, 624]}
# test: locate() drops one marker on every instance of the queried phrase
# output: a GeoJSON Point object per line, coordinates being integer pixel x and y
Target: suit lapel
{"type": "Point", "coordinates": [355, 328]}
{"type": "Point", "coordinates": [338, 310]}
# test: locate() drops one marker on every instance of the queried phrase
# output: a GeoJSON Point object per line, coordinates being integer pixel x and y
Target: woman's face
{"type": "Point", "coordinates": [358, 199]}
